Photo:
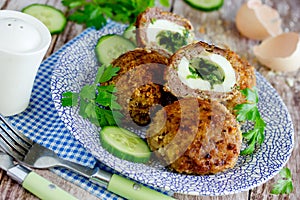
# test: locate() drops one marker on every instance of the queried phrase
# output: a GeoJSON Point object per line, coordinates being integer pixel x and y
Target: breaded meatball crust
{"type": "Point", "coordinates": [139, 83]}
{"type": "Point", "coordinates": [247, 80]}
{"type": "Point", "coordinates": [195, 136]}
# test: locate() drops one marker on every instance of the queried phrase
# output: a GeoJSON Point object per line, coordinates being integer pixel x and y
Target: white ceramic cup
{"type": "Point", "coordinates": [24, 41]}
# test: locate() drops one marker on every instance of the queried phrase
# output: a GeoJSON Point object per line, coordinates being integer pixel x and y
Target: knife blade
{"type": "Point", "coordinates": [31, 181]}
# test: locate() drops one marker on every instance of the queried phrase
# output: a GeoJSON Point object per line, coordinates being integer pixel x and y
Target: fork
{"type": "Point", "coordinates": [31, 181]}
{"type": "Point", "coordinates": [35, 155]}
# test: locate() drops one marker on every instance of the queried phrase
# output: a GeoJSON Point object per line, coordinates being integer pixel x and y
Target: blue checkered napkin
{"type": "Point", "coordinates": [41, 123]}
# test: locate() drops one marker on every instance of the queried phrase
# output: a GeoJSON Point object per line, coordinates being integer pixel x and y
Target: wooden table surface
{"type": "Point", "coordinates": [216, 27]}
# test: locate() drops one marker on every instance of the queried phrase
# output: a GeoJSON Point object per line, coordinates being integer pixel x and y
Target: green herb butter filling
{"type": "Point", "coordinates": [168, 35]}
{"type": "Point", "coordinates": [171, 40]}
{"type": "Point", "coordinates": [206, 70]}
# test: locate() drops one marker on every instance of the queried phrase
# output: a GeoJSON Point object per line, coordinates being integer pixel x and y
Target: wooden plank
{"type": "Point", "coordinates": [218, 28]}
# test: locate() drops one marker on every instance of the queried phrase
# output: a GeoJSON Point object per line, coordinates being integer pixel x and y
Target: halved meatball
{"type": "Point", "coordinates": [163, 31]}
{"type": "Point", "coordinates": [207, 72]}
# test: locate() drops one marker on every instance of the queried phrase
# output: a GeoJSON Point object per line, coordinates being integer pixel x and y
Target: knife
{"type": "Point", "coordinates": [41, 157]}
{"type": "Point", "coordinates": [31, 181]}
{"type": "Point", "coordinates": [115, 183]}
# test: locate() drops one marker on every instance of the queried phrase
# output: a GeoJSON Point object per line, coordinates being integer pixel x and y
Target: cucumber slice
{"type": "Point", "coordinates": [124, 144]}
{"type": "Point", "coordinates": [53, 18]}
{"type": "Point", "coordinates": [205, 5]}
{"type": "Point", "coordinates": [110, 47]}
{"type": "Point", "coordinates": [130, 33]}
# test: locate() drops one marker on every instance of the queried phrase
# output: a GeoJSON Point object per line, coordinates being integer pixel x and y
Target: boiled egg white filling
{"type": "Point", "coordinates": [198, 83]}
{"type": "Point", "coordinates": [158, 25]}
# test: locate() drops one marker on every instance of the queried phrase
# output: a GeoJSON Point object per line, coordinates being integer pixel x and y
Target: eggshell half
{"type": "Point", "coordinates": [280, 53]}
{"type": "Point", "coordinates": [257, 21]}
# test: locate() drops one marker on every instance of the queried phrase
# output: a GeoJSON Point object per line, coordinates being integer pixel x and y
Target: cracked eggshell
{"type": "Point", "coordinates": [280, 53]}
{"type": "Point", "coordinates": [257, 21]}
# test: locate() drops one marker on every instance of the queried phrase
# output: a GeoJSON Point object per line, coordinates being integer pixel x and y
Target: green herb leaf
{"type": "Point", "coordinates": [260, 129]}
{"type": "Point", "coordinates": [286, 173]}
{"type": "Point", "coordinates": [285, 184]}
{"type": "Point", "coordinates": [108, 88]}
{"type": "Point", "coordinates": [97, 103]}
{"type": "Point", "coordinates": [99, 74]}
{"type": "Point", "coordinates": [108, 73]}
{"type": "Point", "coordinates": [73, 3]}
{"type": "Point", "coordinates": [97, 18]}
{"type": "Point", "coordinates": [69, 99]}
{"type": "Point", "coordinates": [164, 3]}
{"type": "Point", "coordinates": [88, 92]}
{"type": "Point", "coordinates": [107, 117]}
{"type": "Point", "coordinates": [104, 98]}
{"type": "Point", "coordinates": [251, 95]}
{"type": "Point", "coordinates": [95, 13]}
{"type": "Point", "coordinates": [254, 136]}
{"type": "Point", "coordinates": [249, 112]}
{"type": "Point", "coordinates": [90, 110]}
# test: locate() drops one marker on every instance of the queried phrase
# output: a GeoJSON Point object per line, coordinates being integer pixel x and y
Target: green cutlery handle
{"type": "Point", "coordinates": [44, 189]}
{"type": "Point", "coordinates": [132, 190]}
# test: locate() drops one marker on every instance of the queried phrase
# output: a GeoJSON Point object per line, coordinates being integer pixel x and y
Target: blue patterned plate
{"type": "Point", "coordinates": [77, 66]}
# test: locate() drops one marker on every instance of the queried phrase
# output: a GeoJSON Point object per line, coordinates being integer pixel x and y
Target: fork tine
{"type": "Point", "coordinates": [16, 132]}
{"type": "Point", "coordinates": [9, 150]}
{"type": "Point", "coordinates": [9, 144]}
{"type": "Point", "coordinates": [12, 141]}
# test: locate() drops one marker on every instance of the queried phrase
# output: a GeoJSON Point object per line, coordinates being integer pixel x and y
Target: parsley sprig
{"type": "Point", "coordinates": [96, 102]}
{"type": "Point", "coordinates": [285, 184]}
{"type": "Point", "coordinates": [249, 112]}
{"type": "Point", "coordinates": [96, 12]}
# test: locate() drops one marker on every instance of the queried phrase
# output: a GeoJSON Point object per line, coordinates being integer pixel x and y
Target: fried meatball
{"type": "Point", "coordinates": [139, 84]}
{"type": "Point", "coordinates": [194, 136]}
